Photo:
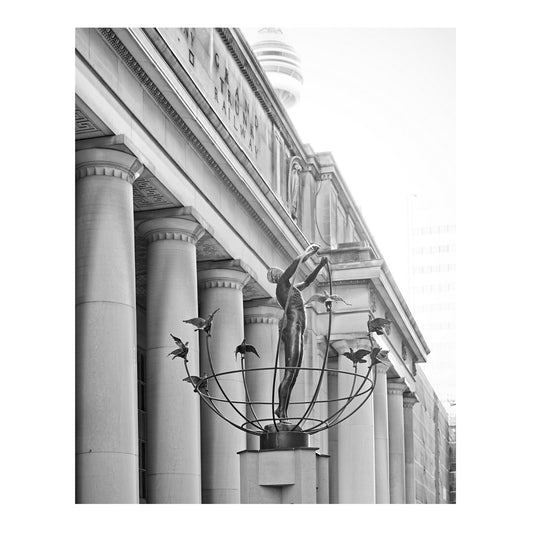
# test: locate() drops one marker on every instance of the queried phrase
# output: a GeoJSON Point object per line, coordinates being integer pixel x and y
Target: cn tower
{"type": "Point", "coordinates": [281, 64]}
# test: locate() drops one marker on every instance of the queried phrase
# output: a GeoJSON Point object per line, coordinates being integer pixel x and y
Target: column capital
{"type": "Point", "coordinates": [384, 366]}
{"type": "Point", "coordinates": [107, 162]}
{"type": "Point", "coordinates": [262, 311]}
{"type": "Point", "coordinates": [396, 386]}
{"type": "Point", "coordinates": [171, 228]}
{"type": "Point", "coordinates": [409, 399]}
{"type": "Point", "coordinates": [222, 275]}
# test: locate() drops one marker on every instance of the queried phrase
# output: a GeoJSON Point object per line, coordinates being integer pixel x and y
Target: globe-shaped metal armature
{"type": "Point", "coordinates": [281, 428]}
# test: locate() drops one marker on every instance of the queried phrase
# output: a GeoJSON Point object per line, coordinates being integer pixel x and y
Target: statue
{"type": "Point", "coordinates": [293, 326]}
{"type": "Point", "coordinates": [294, 187]}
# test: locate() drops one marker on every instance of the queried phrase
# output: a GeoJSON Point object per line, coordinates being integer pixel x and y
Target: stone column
{"type": "Point", "coordinates": [172, 408]}
{"type": "Point", "coordinates": [356, 457]}
{"type": "Point", "coordinates": [106, 358]}
{"type": "Point", "coordinates": [381, 434]}
{"type": "Point", "coordinates": [221, 287]}
{"type": "Point", "coordinates": [395, 391]}
{"type": "Point", "coordinates": [261, 319]}
{"type": "Point", "coordinates": [409, 400]}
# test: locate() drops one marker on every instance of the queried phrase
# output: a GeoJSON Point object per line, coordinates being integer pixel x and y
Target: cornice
{"type": "Point", "coordinates": [136, 69]}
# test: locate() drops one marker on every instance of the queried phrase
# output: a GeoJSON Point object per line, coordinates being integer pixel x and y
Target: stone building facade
{"type": "Point", "coordinates": [190, 183]}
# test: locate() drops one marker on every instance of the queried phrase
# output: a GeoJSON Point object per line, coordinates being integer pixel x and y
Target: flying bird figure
{"type": "Point", "coordinates": [327, 299]}
{"type": "Point", "coordinates": [245, 348]}
{"type": "Point", "coordinates": [203, 324]}
{"type": "Point", "coordinates": [182, 349]}
{"type": "Point", "coordinates": [379, 326]}
{"type": "Point", "coordinates": [199, 384]}
{"type": "Point", "coordinates": [358, 356]}
{"type": "Point", "coordinates": [375, 356]}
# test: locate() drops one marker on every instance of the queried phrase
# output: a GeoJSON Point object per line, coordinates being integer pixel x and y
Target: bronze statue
{"type": "Point", "coordinates": [293, 326]}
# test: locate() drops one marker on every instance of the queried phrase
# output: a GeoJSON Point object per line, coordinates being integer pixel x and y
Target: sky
{"type": "Point", "coordinates": [383, 102]}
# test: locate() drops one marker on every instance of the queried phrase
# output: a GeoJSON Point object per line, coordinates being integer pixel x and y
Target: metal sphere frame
{"type": "Point", "coordinates": [258, 426]}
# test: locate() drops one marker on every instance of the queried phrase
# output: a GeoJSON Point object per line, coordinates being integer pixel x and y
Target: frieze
{"type": "Point", "coordinates": [219, 284]}
{"type": "Point", "coordinates": [119, 47]}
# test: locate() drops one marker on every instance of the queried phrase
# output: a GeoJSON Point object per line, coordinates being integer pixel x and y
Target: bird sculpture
{"type": "Point", "coordinates": [379, 325]}
{"type": "Point", "coordinates": [327, 299]}
{"type": "Point", "coordinates": [358, 356]}
{"type": "Point", "coordinates": [375, 356]}
{"type": "Point", "coordinates": [199, 384]}
{"type": "Point", "coordinates": [244, 348]}
{"type": "Point", "coordinates": [202, 324]}
{"type": "Point", "coordinates": [182, 349]}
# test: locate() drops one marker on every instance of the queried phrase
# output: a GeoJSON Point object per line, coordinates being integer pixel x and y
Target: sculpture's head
{"type": "Point", "coordinates": [274, 274]}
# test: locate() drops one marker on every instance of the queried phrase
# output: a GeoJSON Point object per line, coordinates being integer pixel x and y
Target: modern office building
{"type": "Point", "coordinates": [191, 182]}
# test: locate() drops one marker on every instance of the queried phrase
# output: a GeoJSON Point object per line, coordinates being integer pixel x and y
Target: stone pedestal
{"type": "Point", "coordinates": [106, 358]}
{"type": "Point", "coordinates": [282, 476]}
{"type": "Point", "coordinates": [381, 434]}
{"type": "Point", "coordinates": [396, 388]}
{"type": "Point", "coordinates": [173, 409]}
{"type": "Point", "coordinates": [409, 401]}
{"type": "Point", "coordinates": [222, 288]}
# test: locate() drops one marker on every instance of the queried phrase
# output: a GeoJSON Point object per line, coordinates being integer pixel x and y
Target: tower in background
{"type": "Point", "coordinates": [281, 64]}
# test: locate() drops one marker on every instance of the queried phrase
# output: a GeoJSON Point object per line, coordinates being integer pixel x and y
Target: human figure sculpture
{"type": "Point", "coordinates": [293, 326]}
{"type": "Point", "coordinates": [294, 188]}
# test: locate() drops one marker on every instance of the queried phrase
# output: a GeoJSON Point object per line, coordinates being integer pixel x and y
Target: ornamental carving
{"type": "Point", "coordinates": [295, 168]}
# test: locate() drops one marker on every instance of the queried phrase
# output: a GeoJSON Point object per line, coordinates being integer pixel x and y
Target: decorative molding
{"type": "Point", "coordinates": [146, 195]}
{"type": "Point", "coordinates": [404, 351]}
{"type": "Point", "coordinates": [338, 282]}
{"type": "Point", "coordinates": [118, 46]}
{"type": "Point", "coordinates": [86, 170]}
{"type": "Point", "coordinates": [325, 177]}
{"type": "Point", "coordinates": [260, 319]}
{"type": "Point", "coordinates": [396, 387]}
{"type": "Point", "coordinates": [220, 284]}
{"type": "Point", "coordinates": [84, 126]}
{"type": "Point", "coordinates": [409, 400]}
{"type": "Point", "coordinates": [169, 236]}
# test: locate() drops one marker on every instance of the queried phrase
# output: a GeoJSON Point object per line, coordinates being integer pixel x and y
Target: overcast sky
{"type": "Point", "coordinates": [383, 102]}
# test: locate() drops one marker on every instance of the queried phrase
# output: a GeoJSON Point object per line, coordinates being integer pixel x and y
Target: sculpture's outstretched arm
{"type": "Point", "coordinates": [291, 269]}
{"type": "Point", "coordinates": [312, 276]}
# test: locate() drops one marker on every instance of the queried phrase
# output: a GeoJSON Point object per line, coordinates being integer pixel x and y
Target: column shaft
{"type": "Point", "coordinates": [106, 359]}
{"type": "Point", "coordinates": [222, 288]}
{"type": "Point", "coordinates": [355, 443]}
{"type": "Point", "coordinates": [261, 321]}
{"type": "Point", "coordinates": [410, 484]}
{"type": "Point", "coordinates": [396, 442]}
{"type": "Point", "coordinates": [381, 434]}
{"type": "Point", "coordinates": [172, 408]}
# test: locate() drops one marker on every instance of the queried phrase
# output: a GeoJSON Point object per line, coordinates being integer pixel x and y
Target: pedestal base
{"type": "Point", "coordinates": [283, 476]}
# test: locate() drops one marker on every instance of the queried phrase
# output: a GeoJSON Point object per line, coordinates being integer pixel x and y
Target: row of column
{"type": "Point", "coordinates": [374, 449]}
{"type": "Point", "coordinates": [191, 452]}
